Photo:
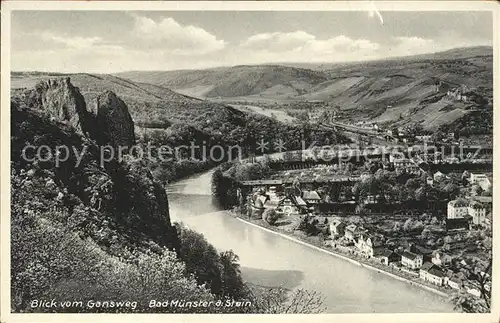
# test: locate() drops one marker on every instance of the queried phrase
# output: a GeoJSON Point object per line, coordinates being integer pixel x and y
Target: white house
{"type": "Point", "coordinates": [337, 228]}
{"type": "Point", "coordinates": [477, 211]}
{"type": "Point", "coordinates": [371, 245]}
{"type": "Point", "coordinates": [473, 288]}
{"type": "Point", "coordinates": [441, 259]}
{"type": "Point", "coordinates": [433, 273]}
{"type": "Point", "coordinates": [352, 232]}
{"type": "Point", "coordinates": [480, 179]}
{"type": "Point", "coordinates": [411, 260]}
{"type": "Point", "coordinates": [424, 138]}
{"type": "Point", "coordinates": [458, 208]}
{"type": "Point", "coordinates": [455, 283]}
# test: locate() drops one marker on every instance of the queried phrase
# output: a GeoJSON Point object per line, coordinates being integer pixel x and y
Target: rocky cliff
{"type": "Point", "coordinates": [121, 196]}
{"type": "Point", "coordinates": [61, 101]}
{"type": "Point", "coordinates": [113, 121]}
{"type": "Point", "coordinates": [107, 120]}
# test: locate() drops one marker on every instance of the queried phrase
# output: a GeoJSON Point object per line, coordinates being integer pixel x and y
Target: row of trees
{"type": "Point", "coordinates": [404, 187]}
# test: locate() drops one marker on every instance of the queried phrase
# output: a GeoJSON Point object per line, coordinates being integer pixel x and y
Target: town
{"type": "Point", "coordinates": [424, 216]}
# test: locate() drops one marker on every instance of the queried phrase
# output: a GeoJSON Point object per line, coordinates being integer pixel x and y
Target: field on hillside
{"type": "Point", "coordinates": [400, 90]}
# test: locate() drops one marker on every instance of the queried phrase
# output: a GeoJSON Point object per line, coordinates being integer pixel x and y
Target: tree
{"type": "Point", "coordinates": [200, 257]}
{"type": "Point", "coordinates": [396, 227]}
{"type": "Point", "coordinates": [296, 187]}
{"type": "Point", "coordinates": [426, 233]}
{"type": "Point", "coordinates": [408, 224]}
{"type": "Point", "coordinates": [270, 216]}
{"type": "Point", "coordinates": [281, 301]}
{"type": "Point", "coordinates": [232, 283]}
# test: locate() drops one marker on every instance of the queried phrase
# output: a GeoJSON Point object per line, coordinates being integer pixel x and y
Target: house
{"type": "Point", "coordinates": [480, 179]}
{"type": "Point", "coordinates": [458, 208]}
{"type": "Point", "coordinates": [353, 232]}
{"type": "Point", "coordinates": [478, 212]}
{"type": "Point", "coordinates": [311, 197]}
{"type": "Point", "coordinates": [458, 224]}
{"type": "Point", "coordinates": [424, 138]}
{"type": "Point", "coordinates": [441, 259]}
{"type": "Point", "coordinates": [433, 273]}
{"type": "Point", "coordinates": [291, 204]}
{"type": "Point", "coordinates": [438, 176]}
{"type": "Point", "coordinates": [455, 283]}
{"type": "Point", "coordinates": [259, 200]}
{"type": "Point", "coordinates": [388, 256]}
{"type": "Point", "coordinates": [371, 199]}
{"type": "Point", "coordinates": [337, 227]}
{"type": "Point", "coordinates": [461, 208]}
{"type": "Point", "coordinates": [370, 245]}
{"type": "Point", "coordinates": [420, 250]}
{"type": "Point", "coordinates": [473, 288]}
{"type": "Point", "coordinates": [403, 164]}
{"type": "Point", "coordinates": [411, 260]}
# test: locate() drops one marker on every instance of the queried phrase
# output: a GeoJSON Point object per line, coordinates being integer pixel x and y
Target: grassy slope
{"type": "Point", "coordinates": [364, 89]}
{"type": "Point", "coordinates": [234, 81]}
{"type": "Point", "coordinates": [146, 102]}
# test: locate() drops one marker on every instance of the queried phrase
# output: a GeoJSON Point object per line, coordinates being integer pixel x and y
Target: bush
{"type": "Point", "coordinates": [270, 216]}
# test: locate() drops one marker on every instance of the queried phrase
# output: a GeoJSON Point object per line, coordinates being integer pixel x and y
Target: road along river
{"type": "Point", "coordinates": [270, 260]}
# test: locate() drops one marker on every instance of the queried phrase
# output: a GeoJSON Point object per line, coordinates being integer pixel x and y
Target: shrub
{"type": "Point", "coordinates": [270, 216]}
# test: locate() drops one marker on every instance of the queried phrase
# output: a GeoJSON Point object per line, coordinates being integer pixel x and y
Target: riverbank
{"type": "Point", "coordinates": [319, 247]}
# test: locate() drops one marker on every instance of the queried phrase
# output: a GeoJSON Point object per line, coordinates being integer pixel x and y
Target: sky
{"type": "Point", "coordinates": [116, 41]}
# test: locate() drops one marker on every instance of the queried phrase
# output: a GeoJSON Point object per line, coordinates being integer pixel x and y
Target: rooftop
{"type": "Point", "coordinates": [426, 266]}
{"type": "Point", "coordinates": [458, 203]}
{"type": "Point", "coordinates": [310, 195]}
{"type": "Point", "coordinates": [387, 253]}
{"type": "Point", "coordinates": [436, 271]}
{"type": "Point", "coordinates": [409, 255]}
{"type": "Point", "coordinates": [476, 205]}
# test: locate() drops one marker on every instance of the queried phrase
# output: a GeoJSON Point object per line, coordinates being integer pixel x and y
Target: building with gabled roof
{"type": "Point", "coordinates": [411, 260]}
{"type": "Point", "coordinates": [388, 256]}
{"type": "Point", "coordinates": [353, 232]}
{"type": "Point", "coordinates": [433, 273]}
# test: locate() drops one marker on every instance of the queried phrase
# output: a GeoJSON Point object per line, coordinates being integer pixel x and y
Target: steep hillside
{"type": "Point", "coordinates": [92, 84]}
{"type": "Point", "coordinates": [88, 227]}
{"type": "Point", "coordinates": [397, 90]}
{"type": "Point", "coordinates": [121, 190]}
{"type": "Point", "coordinates": [145, 101]}
{"type": "Point", "coordinates": [235, 81]}
{"type": "Point", "coordinates": [178, 121]}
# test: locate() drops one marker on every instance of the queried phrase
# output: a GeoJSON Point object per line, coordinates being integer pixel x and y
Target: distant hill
{"type": "Point", "coordinates": [235, 81]}
{"type": "Point", "coordinates": [147, 102]}
{"type": "Point", "coordinates": [91, 84]}
{"type": "Point", "coordinates": [396, 90]}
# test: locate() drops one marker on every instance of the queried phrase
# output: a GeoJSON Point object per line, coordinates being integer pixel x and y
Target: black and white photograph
{"type": "Point", "coordinates": [240, 158]}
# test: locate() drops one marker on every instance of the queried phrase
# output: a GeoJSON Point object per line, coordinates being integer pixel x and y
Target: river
{"type": "Point", "coordinates": [270, 260]}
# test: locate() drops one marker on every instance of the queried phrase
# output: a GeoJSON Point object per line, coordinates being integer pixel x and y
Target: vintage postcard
{"type": "Point", "coordinates": [327, 159]}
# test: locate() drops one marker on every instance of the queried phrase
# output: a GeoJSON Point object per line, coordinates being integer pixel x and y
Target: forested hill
{"type": "Point", "coordinates": [169, 118]}
{"type": "Point", "coordinates": [83, 228]}
{"type": "Point", "coordinates": [399, 90]}
{"type": "Point", "coordinates": [88, 227]}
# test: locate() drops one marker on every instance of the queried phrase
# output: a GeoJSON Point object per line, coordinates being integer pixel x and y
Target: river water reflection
{"type": "Point", "coordinates": [270, 260]}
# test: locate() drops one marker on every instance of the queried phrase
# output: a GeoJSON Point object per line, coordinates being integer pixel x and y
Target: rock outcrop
{"type": "Point", "coordinates": [123, 191]}
{"type": "Point", "coordinates": [113, 121]}
{"type": "Point", "coordinates": [107, 120]}
{"type": "Point", "coordinates": [61, 101]}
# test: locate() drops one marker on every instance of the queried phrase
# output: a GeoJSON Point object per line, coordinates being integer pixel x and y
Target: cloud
{"type": "Point", "coordinates": [413, 45]}
{"type": "Point", "coordinates": [71, 42]}
{"type": "Point", "coordinates": [278, 42]}
{"type": "Point", "coordinates": [302, 46]}
{"type": "Point", "coordinates": [170, 36]}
